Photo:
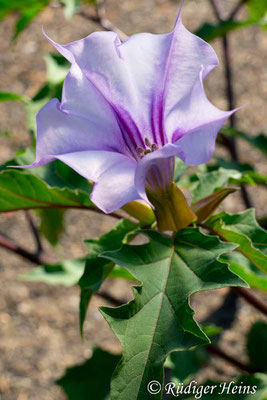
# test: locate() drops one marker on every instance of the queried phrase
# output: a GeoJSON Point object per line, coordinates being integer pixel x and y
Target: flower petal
{"type": "Point", "coordinates": [193, 124]}
{"type": "Point", "coordinates": [159, 70]}
{"type": "Point", "coordinates": [188, 56]}
{"type": "Point", "coordinates": [198, 122]}
{"type": "Point", "coordinates": [193, 111]}
{"type": "Point", "coordinates": [59, 132]}
{"type": "Point", "coordinates": [165, 68]}
{"type": "Point", "coordinates": [197, 146]}
{"type": "Point", "coordinates": [112, 172]}
{"type": "Point", "coordinates": [98, 57]}
{"type": "Point", "coordinates": [81, 98]}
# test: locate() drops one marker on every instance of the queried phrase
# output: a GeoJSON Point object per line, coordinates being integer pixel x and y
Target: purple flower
{"type": "Point", "coordinates": [127, 109]}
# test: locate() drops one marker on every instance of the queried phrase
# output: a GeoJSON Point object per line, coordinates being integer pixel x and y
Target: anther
{"type": "Point", "coordinates": [140, 151]}
{"type": "Point", "coordinates": [154, 147]}
{"type": "Point", "coordinates": [148, 143]}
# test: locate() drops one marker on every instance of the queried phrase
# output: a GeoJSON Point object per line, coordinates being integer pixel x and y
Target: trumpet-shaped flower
{"type": "Point", "coordinates": [128, 109]}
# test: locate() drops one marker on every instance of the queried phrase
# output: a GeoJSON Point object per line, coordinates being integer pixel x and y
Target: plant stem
{"type": "Point", "coordinates": [100, 18]}
{"type": "Point", "coordinates": [220, 353]}
{"type": "Point", "coordinates": [237, 8]}
{"type": "Point", "coordinates": [217, 9]}
{"type": "Point", "coordinates": [35, 232]}
{"type": "Point", "coordinates": [20, 251]}
{"type": "Point", "coordinates": [230, 141]}
{"type": "Point", "coordinates": [64, 207]}
{"type": "Point", "coordinates": [40, 259]}
{"type": "Point", "coordinates": [250, 297]}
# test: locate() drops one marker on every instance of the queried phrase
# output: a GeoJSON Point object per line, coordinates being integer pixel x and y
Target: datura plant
{"type": "Point", "coordinates": [127, 110]}
{"type": "Point", "coordinates": [132, 119]}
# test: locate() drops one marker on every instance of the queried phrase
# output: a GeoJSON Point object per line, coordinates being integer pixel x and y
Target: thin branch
{"type": "Point", "coordinates": [10, 245]}
{"type": "Point", "coordinates": [62, 206]}
{"type": "Point", "coordinates": [250, 297]}
{"type": "Point", "coordinates": [229, 84]}
{"type": "Point", "coordinates": [98, 18]}
{"type": "Point", "coordinates": [104, 22]}
{"type": "Point", "coordinates": [211, 348]}
{"type": "Point", "coordinates": [231, 105]}
{"type": "Point", "coordinates": [41, 259]}
{"type": "Point", "coordinates": [35, 232]}
{"type": "Point", "coordinates": [230, 142]}
{"type": "Point", "coordinates": [236, 9]}
{"type": "Point", "coordinates": [217, 9]}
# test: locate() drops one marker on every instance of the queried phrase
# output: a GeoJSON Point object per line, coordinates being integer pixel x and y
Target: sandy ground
{"type": "Point", "coordinates": [39, 334]}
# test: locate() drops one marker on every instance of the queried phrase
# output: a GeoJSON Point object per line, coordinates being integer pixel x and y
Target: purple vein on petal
{"type": "Point", "coordinates": [157, 122]}
{"type": "Point", "coordinates": [130, 131]}
{"type": "Point", "coordinates": [158, 104]}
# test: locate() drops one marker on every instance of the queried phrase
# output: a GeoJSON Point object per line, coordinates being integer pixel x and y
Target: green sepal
{"type": "Point", "coordinates": [141, 211]}
{"type": "Point", "coordinates": [171, 208]}
{"type": "Point", "coordinates": [211, 181]}
{"type": "Point", "coordinates": [205, 207]}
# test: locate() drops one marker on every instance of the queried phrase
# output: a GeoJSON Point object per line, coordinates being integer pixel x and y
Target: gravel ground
{"type": "Point", "coordinates": [39, 334]}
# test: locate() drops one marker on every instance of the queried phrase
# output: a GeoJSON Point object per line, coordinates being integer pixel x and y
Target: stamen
{"type": "Point", "coordinates": [140, 151]}
{"type": "Point", "coordinates": [148, 143]}
{"type": "Point", "coordinates": [150, 147]}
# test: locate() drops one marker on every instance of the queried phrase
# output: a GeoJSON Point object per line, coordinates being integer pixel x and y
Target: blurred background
{"type": "Point", "coordinates": [39, 331]}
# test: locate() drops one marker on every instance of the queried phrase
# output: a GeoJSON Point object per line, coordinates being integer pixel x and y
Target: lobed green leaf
{"type": "Point", "coordinates": [241, 266]}
{"type": "Point", "coordinates": [66, 273]}
{"type": "Point", "coordinates": [259, 141]}
{"type": "Point", "coordinates": [159, 320]}
{"type": "Point", "coordinates": [243, 230]}
{"type": "Point", "coordinates": [97, 269]}
{"type": "Point", "coordinates": [52, 224]}
{"type": "Point", "coordinates": [22, 191]}
{"type": "Point", "coordinates": [257, 350]}
{"type": "Point", "coordinates": [7, 96]}
{"type": "Point", "coordinates": [209, 31]}
{"type": "Point", "coordinates": [90, 380]}
{"type": "Point", "coordinates": [210, 182]}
